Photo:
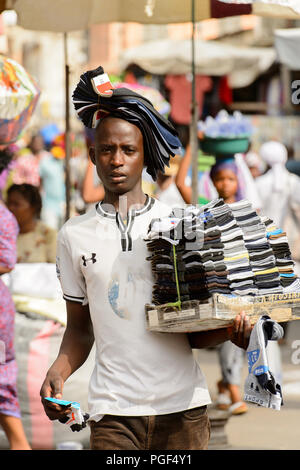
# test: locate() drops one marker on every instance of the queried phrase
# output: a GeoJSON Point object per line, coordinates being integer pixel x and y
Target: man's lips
{"type": "Point", "coordinates": [117, 177]}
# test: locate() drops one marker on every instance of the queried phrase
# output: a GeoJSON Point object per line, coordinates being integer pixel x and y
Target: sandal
{"type": "Point", "coordinates": [238, 408]}
{"type": "Point", "coordinates": [223, 401]}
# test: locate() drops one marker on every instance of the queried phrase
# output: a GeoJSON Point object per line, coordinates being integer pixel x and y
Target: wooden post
{"type": "Point", "coordinates": [286, 81]}
{"type": "Point", "coordinates": [194, 118]}
{"type": "Point", "coordinates": [67, 128]}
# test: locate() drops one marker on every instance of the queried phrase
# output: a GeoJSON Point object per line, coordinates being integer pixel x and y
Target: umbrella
{"type": "Point", "coordinates": [18, 96]}
{"type": "Point", "coordinates": [73, 15]}
{"type": "Point", "coordinates": [153, 95]}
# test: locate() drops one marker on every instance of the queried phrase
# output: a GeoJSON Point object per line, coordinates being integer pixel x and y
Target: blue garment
{"type": "Point", "coordinates": [52, 173]}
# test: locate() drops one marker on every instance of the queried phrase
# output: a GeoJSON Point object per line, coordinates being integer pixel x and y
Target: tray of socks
{"type": "Point", "coordinates": [213, 261]}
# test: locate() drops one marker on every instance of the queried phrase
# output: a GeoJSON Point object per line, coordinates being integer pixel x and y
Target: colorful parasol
{"type": "Point", "coordinates": [18, 98]}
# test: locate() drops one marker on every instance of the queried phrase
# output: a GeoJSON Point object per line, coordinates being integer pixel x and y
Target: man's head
{"type": "Point", "coordinates": [118, 154]}
{"type": "Point", "coordinates": [160, 139]}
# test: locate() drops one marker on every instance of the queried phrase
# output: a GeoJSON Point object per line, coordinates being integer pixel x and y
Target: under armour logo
{"type": "Point", "coordinates": [92, 258]}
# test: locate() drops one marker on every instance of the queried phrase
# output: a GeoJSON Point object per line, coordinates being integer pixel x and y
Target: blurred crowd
{"type": "Point", "coordinates": [33, 194]}
{"type": "Point", "coordinates": [33, 186]}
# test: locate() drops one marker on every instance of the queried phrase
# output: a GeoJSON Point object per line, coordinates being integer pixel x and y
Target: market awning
{"type": "Point", "coordinates": [72, 15]}
{"type": "Point", "coordinates": [163, 57]}
{"type": "Point", "coordinates": [287, 43]}
{"type": "Point", "coordinates": [271, 8]}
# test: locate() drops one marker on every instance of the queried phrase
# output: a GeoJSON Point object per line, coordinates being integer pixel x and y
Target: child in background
{"type": "Point", "coordinates": [224, 175]}
{"type": "Point", "coordinates": [36, 241]}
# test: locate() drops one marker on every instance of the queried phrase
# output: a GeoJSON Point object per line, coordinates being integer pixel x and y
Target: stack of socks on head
{"type": "Point", "coordinates": [94, 98]}
{"type": "Point", "coordinates": [284, 262]}
{"type": "Point", "coordinates": [218, 248]}
{"type": "Point", "coordinates": [261, 256]}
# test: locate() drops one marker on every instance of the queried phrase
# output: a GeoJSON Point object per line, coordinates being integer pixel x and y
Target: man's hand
{"type": "Point", "coordinates": [53, 387]}
{"type": "Point", "coordinates": [76, 345]}
{"type": "Point", "coordinates": [239, 332]}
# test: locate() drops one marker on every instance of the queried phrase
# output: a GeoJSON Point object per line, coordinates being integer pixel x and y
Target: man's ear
{"type": "Point", "coordinates": [92, 154]}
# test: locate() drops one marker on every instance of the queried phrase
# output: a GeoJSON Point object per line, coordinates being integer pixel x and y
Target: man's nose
{"type": "Point", "coordinates": [117, 158]}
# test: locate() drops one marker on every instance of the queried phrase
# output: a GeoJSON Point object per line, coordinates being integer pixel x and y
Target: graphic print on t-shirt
{"type": "Point", "coordinates": [120, 292]}
{"type": "Point", "coordinates": [127, 282]}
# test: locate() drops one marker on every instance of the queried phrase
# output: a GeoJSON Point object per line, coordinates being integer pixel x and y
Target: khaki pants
{"type": "Point", "coordinates": [186, 430]}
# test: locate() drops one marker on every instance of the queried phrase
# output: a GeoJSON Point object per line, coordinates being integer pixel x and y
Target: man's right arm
{"type": "Point", "coordinates": [76, 345]}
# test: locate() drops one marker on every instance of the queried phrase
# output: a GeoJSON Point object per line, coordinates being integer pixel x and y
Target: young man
{"type": "Point", "coordinates": [142, 382]}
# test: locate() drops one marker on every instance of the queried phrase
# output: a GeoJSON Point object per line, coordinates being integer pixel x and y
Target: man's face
{"type": "Point", "coordinates": [118, 155]}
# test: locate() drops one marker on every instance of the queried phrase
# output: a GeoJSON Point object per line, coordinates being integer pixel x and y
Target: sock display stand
{"type": "Point", "coordinates": [220, 311]}
{"type": "Point", "coordinates": [235, 246]}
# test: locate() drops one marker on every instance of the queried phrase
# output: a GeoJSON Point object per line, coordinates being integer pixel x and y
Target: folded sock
{"type": "Point", "coordinates": [260, 386]}
{"type": "Point", "coordinates": [76, 419]}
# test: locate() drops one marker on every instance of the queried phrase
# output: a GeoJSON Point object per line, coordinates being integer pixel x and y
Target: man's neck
{"type": "Point", "coordinates": [123, 202]}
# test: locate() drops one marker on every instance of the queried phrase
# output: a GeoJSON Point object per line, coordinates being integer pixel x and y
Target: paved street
{"type": "Point", "coordinates": [261, 428]}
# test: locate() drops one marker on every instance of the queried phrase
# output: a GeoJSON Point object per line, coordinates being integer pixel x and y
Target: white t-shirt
{"type": "Point", "coordinates": [276, 203]}
{"type": "Point", "coordinates": [171, 196]}
{"type": "Point", "coordinates": [102, 261]}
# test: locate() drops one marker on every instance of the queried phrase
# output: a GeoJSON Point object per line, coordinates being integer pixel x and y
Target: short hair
{"type": "Point", "coordinates": [6, 157]}
{"type": "Point", "coordinates": [30, 193]}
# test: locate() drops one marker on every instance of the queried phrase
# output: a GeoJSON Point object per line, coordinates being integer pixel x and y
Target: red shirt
{"type": "Point", "coordinates": [180, 89]}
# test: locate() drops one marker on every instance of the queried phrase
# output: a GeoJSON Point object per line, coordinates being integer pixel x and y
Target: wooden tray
{"type": "Point", "coordinates": [220, 311]}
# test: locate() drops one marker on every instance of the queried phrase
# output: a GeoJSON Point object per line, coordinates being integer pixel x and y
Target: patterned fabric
{"type": "Point", "coordinates": [8, 370]}
{"type": "Point", "coordinates": [26, 170]}
{"type": "Point", "coordinates": [38, 246]}
{"type": "Point", "coordinates": [19, 96]}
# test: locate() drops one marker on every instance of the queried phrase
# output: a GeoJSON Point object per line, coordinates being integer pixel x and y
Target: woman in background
{"type": "Point", "coordinates": [10, 414]}
{"type": "Point", "coordinates": [36, 241]}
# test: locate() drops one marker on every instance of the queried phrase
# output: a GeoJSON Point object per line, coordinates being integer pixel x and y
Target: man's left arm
{"type": "Point", "coordinates": [238, 333]}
